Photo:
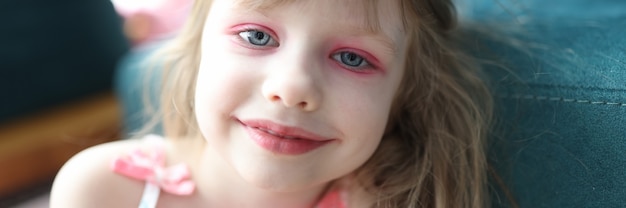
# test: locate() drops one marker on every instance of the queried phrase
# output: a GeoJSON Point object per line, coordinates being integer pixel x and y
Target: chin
{"type": "Point", "coordinates": [277, 179]}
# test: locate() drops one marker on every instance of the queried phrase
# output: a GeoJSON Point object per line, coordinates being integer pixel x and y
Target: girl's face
{"type": "Point", "coordinates": [296, 95]}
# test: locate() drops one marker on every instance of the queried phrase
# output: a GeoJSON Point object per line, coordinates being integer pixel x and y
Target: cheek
{"type": "Point", "coordinates": [223, 75]}
{"type": "Point", "coordinates": [362, 117]}
{"type": "Point", "coordinates": [363, 108]}
{"type": "Point", "coordinates": [223, 83]}
{"type": "Point", "coordinates": [367, 121]}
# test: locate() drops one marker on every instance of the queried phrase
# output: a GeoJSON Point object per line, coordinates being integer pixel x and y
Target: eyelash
{"type": "Point", "coordinates": [247, 43]}
{"type": "Point", "coordinates": [364, 65]}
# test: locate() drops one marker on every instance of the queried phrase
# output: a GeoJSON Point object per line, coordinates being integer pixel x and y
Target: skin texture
{"type": "Point", "coordinates": [298, 79]}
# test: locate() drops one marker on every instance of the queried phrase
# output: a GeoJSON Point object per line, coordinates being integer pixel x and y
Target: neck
{"type": "Point", "coordinates": [219, 185]}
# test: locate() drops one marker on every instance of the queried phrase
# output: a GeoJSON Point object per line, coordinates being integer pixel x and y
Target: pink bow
{"type": "Point", "coordinates": [151, 168]}
{"type": "Point", "coordinates": [332, 199]}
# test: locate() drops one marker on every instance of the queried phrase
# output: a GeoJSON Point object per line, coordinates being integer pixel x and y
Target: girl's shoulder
{"type": "Point", "coordinates": [347, 193]}
{"type": "Point", "coordinates": [87, 180]}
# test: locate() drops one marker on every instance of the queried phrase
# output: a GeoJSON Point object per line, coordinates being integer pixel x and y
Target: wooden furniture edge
{"type": "Point", "coordinates": [33, 148]}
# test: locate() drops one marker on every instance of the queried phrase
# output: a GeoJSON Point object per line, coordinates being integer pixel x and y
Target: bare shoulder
{"type": "Point", "coordinates": [86, 180]}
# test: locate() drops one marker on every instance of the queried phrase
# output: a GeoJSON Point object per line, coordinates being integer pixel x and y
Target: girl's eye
{"type": "Point", "coordinates": [351, 59]}
{"type": "Point", "coordinates": [257, 38]}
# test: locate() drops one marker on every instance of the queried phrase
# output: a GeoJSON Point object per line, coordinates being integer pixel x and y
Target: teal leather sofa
{"type": "Point", "coordinates": [57, 60]}
{"type": "Point", "coordinates": [557, 70]}
{"type": "Point", "coordinates": [53, 52]}
{"type": "Point", "coordinates": [560, 137]}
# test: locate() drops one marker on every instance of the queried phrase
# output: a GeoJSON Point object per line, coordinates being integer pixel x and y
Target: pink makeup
{"type": "Point", "coordinates": [374, 65]}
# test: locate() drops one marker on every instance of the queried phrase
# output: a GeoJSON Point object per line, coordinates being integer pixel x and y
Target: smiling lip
{"type": "Point", "coordinates": [283, 139]}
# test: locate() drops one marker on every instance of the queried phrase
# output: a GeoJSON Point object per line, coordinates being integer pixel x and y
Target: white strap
{"type": "Point", "coordinates": [150, 196]}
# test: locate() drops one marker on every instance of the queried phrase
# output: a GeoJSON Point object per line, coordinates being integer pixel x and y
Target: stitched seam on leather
{"type": "Point", "coordinates": [561, 99]}
{"type": "Point", "coordinates": [569, 87]}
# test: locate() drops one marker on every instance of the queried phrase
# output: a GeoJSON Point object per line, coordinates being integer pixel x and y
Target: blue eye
{"type": "Point", "coordinates": [256, 37]}
{"type": "Point", "coordinates": [350, 59]}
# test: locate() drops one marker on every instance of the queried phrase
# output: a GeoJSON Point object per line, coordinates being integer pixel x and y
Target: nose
{"type": "Point", "coordinates": [293, 85]}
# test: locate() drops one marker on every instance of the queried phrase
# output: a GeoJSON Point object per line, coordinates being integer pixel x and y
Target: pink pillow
{"type": "Point", "coordinates": [149, 20]}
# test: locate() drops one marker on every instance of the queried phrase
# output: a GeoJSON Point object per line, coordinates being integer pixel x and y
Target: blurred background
{"type": "Point", "coordinates": [58, 63]}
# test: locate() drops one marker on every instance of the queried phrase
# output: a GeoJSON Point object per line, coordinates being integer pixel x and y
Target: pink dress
{"type": "Point", "coordinates": [150, 167]}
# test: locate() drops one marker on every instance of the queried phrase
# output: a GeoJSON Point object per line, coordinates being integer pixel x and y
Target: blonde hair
{"type": "Point", "coordinates": [433, 150]}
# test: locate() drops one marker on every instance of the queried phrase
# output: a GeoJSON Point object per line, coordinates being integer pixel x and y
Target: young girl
{"type": "Point", "coordinates": [319, 103]}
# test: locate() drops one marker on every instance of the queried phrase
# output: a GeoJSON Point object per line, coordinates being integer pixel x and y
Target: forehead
{"type": "Point", "coordinates": [351, 8]}
{"type": "Point", "coordinates": [373, 17]}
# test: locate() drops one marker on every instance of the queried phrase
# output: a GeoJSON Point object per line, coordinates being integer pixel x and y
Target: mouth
{"type": "Point", "coordinates": [282, 139]}
{"type": "Point", "coordinates": [276, 134]}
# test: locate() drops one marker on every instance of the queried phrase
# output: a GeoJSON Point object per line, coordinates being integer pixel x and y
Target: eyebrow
{"type": "Point", "coordinates": [373, 32]}
{"type": "Point", "coordinates": [368, 28]}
